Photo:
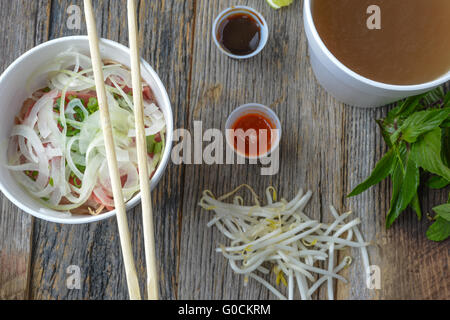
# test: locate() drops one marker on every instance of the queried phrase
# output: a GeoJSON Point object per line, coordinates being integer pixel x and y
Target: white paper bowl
{"type": "Point", "coordinates": [346, 85]}
{"type": "Point", "coordinates": [13, 94]}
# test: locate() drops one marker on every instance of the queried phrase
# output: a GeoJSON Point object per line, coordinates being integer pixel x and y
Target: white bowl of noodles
{"type": "Point", "coordinates": [34, 75]}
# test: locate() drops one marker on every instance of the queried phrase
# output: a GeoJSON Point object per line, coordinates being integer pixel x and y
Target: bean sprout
{"type": "Point", "coordinates": [281, 239]}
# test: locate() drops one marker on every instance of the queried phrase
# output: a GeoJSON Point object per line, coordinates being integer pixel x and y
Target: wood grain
{"type": "Point", "coordinates": [311, 149]}
{"type": "Point", "coordinates": [95, 248]}
{"type": "Point", "coordinates": [327, 147]}
{"type": "Point", "coordinates": [15, 225]}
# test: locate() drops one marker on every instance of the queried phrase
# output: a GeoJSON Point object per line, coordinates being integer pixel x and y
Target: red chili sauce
{"type": "Point", "coordinates": [255, 127]}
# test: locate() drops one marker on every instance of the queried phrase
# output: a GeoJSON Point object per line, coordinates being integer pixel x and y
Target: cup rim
{"type": "Point", "coordinates": [264, 31]}
{"type": "Point", "coordinates": [256, 107]}
{"type": "Point", "coordinates": [415, 87]}
{"type": "Point", "coordinates": [163, 163]}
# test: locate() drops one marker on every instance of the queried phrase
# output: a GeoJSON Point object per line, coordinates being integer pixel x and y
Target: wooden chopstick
{"type": "Point", "coordinates": [147, 214]}
{"type": "Point", "coordinates": [124, 232]}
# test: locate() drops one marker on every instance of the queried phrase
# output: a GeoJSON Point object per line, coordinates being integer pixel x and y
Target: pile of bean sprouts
{"type": "Point", "coordinates": [280, 238]}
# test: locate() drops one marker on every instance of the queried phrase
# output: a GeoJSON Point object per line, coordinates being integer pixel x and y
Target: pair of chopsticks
{"type": "Point", "coordinates": [124, 232]}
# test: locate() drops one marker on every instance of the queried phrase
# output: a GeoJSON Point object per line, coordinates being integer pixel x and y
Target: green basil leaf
{"type": "Point", "coordinates": [437, 182]}
{"type": "Point", "coordinates": [443, 211]}
{"type": "Point", "coordinates": [405, 108]}
{"type": "Point", "coordinates": [434, 97]}
{"type": "Point", "coordinates": [382, 170]}
{"type": "Point", "coordinates": [415, 205]}
{"type": "Point", "coordinates": [385, 132]}
{"type": "Point", "coordinates": [447, 100]}
{"type": "Point", "coordinates": [427, 154]}
{"type": "Point", "coordinates": [413, 104]}
{"type": "Point", "coordinates": [446, 146]}
{"type": "Point", "coordinates": [439, 231]}
{"type": "Point", "coordinates": [408, 107]}
{"type": "Point", "coordinates": [422, 122]}
{"type": "Point", "coordinates": [397, 181]}
{"type": "Point", "coordinates": [405, 186]}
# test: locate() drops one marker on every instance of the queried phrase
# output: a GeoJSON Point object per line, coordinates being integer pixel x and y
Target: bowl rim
{"type": "Point", "coordinates": [380, 85]}
{"type": "Point", "coordinates": [169, 134]}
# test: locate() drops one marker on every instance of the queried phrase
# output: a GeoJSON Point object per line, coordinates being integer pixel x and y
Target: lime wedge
{"type": "Point", "coordinates": [277, 4]}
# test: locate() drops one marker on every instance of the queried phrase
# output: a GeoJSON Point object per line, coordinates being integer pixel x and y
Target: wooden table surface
{"type": "Point", "coordinates": [327, 147]}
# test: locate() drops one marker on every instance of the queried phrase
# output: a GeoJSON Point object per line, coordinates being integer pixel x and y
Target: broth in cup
{"type": "Point", "coordinates": [410, 45]}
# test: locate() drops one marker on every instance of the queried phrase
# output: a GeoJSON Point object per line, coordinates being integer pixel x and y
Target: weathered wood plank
{"type": "Point", "coordinates": [326, 147]}
{"type": "Point", "coordinates": [15, 225]}
{"type": "Point", "coordinates": [95, 248]}
{"type": "Point", "coordinates": [362, 148]}
{"type": "Point", "coordinates": [311, 150]}
{"type": "Point", "coordinates": [166, 31]}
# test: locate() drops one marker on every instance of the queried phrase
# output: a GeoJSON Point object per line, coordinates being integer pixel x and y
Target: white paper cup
{"type": "Point", "coordinates": [346, 85]}
{"type": "Point", "coordinates": [13, 93]}
{"type": "Point", "coordinates": [241, 9]}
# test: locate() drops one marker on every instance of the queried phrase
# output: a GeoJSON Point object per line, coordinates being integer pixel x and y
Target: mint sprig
{"type": "Point", "coordinates": [417, 132]}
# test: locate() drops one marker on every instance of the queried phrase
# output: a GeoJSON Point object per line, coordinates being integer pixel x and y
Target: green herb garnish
{"type": "Point", "coordinates": [76, 182]}
{"type": "Point", "coordinates": [72, 132]}
{"type": "Point", "coordinates": [158, 148]}
{"type": "Point", "coordinates": [92, 106]}
{"type": "Point", "coordinates": [154, 147]}
{"type": "Point", "coordinates": [57, 106]}
{"type": "Point", "coordinates": [32, 174]}
{"type": "Point", "coordinates": [417, 132]}
{"type": "Point", "coordinates": [79, 115]}
{"type": "Point", "coordinates": [81, 168]}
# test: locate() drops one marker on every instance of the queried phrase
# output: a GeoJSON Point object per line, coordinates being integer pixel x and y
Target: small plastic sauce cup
{"type": "Point", "coordinates": [249, 109]}
{"type": "Point", "coordinates": [264, 30]}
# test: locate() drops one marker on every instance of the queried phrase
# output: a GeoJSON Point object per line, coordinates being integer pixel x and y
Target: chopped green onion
{"type": "Point", "coordinates": [81, 168]}
{"type": "Point", "coordinates": [158, 148]}
{"type": "Point", "coordinates": [92, 105]}
{"type": "Point", "coordinates": [151, 144]}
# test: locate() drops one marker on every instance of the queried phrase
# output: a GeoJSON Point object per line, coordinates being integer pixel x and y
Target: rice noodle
{"type": "Point", "coordinates": [282, 237]}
